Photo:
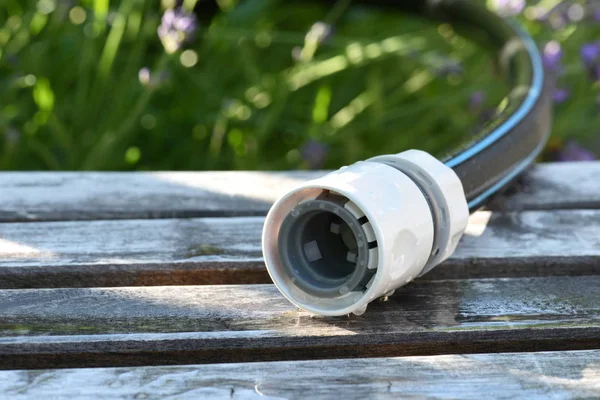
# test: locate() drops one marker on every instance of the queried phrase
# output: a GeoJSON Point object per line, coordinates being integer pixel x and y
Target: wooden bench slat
{"type": "Point", "coordinates": [48, 196]}
{"type": "Point", "coordinates": [55, 196]}
{"type": "Point", "coordinates": [541, 375]}
{"type": "Point", "coordinates": [227, 250]}
{"type": "Point", "coordinates": [549, 186]}
{"type": "Point", "coordinates": [46, 328]}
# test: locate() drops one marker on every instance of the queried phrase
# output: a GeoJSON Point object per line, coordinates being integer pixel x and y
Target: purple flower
{"type": "Point", "coordinates": [314, 153]}
{"type": "Point", "coordinates": [476, 100]}
{"type": "Point", "coordinates": [575, 152]}
{"type": "Point", "coordinates": [552, 55]}
{"type": "Point", "coordinates": [176, 28]}
{"type": "Point", "coordinates": [508, 7]}
{"type": "Point", "coordinates": [590, 55]}
{"type": "Point", "coordinates": [560, 95]}
{"type": "Point", "coordinates": [596, 14]}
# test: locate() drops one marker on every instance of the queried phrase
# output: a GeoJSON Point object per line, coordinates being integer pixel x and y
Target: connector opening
{"type": "Point", "coordinates": [324, 249]}
{"type": "Point", "coordinates": [326, 246]}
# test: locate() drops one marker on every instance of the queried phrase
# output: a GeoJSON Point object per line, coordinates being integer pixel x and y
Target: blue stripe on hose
{"type": "Point", "coordinates": [520, 113]}
{"type": "Point", "coordinates": [479, 200]}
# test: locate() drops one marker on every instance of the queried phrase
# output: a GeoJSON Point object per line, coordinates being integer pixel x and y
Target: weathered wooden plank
{"type": "Point", "coordinates": [541, 375]}
{"type": "Point", "coordinates": [47, 196]}
{"type": "Point", "coordinates": [549, 186]}
{"type": "Point", "coordinates": [227, 250]}
{"type": "Point", "coordinates": [205, 324]}
{"type": "Point", "coordinates": [131, 252]}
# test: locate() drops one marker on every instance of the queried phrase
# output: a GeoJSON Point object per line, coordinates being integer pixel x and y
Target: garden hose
{"type": "Point", "coordinates": [334, 244]}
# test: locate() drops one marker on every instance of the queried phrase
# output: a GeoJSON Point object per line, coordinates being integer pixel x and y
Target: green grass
{"type": "Point", "coordinates": [71, 98]}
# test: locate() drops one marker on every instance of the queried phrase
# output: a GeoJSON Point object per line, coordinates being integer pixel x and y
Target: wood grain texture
{"type": "Point", "coordinates": [554, 186]}
{"type": "Point", "coordinates": [227, 250]}
{"type": "Point", "coordinates": [541, 375]}
{"type": "Point", "coordinates": [48, 196]}
{"type": "Point", "coordinates": [46, 328]}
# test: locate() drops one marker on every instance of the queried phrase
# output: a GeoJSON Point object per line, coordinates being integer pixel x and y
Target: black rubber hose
{"type": "Point", "coordinates": [506, 146]}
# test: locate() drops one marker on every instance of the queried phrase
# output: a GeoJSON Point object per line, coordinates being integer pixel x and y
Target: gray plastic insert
{"type": "Point", "coordinates": [324, 247]}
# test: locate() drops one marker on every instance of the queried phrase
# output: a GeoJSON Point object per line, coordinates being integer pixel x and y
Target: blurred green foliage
{"type": "Point", "coordinates": [88, 85]}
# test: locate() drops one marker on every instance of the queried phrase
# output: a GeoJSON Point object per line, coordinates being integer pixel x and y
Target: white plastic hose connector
{"type": "Point", "coordinates": [334, 244]}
